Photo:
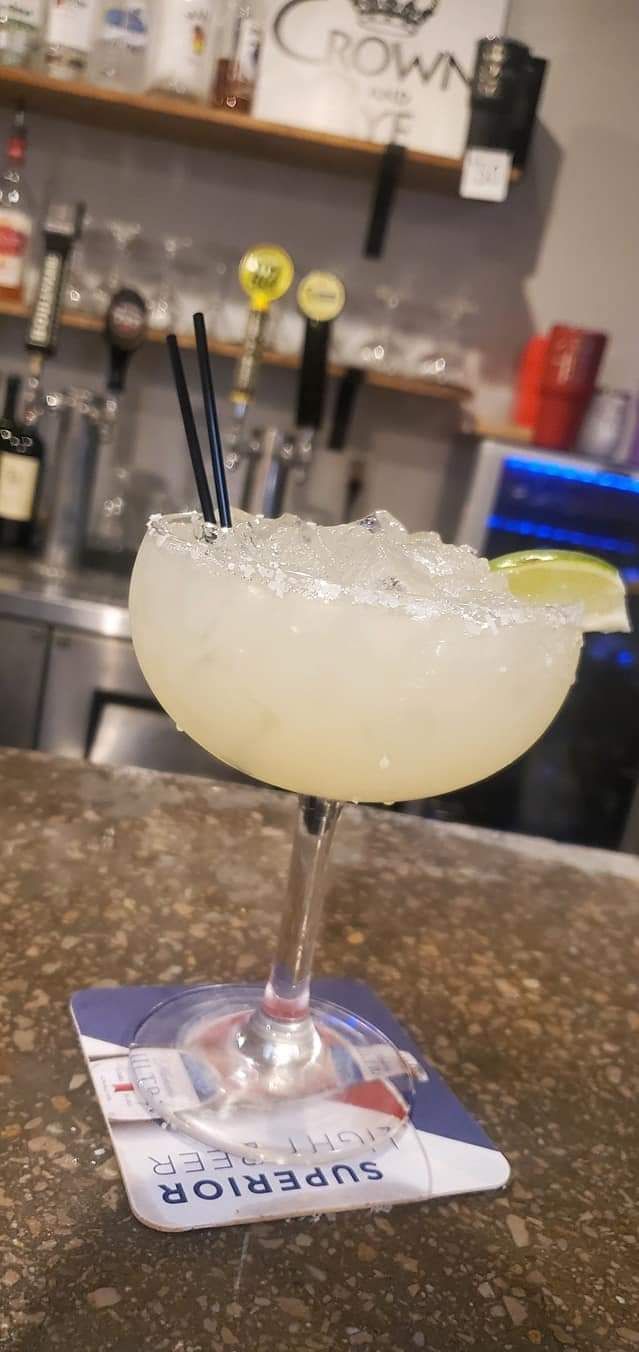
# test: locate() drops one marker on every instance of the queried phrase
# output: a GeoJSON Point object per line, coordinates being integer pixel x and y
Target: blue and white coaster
{"type": "Point", "coordinates": [173, 1183]}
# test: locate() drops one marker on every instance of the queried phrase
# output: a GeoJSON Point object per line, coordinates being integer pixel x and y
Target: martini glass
{"type": "Point", "coordinates": [445, 357]}
{"type": "Point", "coordinates": [88, 289]}
{"type": "Point", "coordinates": [343, 663]}
{"type": "Point", "coordinates": [164, 305]}
{"type": "Point", "coordinates": [382, 349]}
{"type": "Point", "coordinates": [123, 234]}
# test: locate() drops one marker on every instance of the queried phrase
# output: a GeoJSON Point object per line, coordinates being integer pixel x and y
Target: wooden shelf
{"type": "Point", "coordinates": [424, 389]}
{"type": "Point", "coordinates": [491, 431]}
{"type": "Point", "coordinates": [199, 125]}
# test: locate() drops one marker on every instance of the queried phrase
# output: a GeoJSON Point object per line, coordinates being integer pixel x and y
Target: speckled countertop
{"type": "Point", "coordinates": [516, 966]}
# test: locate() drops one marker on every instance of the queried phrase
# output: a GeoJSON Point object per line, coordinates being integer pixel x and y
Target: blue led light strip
{"type": "Point", "coordinates": [515, 526]}
{"type": "Point", "coordinates": [598, 477]}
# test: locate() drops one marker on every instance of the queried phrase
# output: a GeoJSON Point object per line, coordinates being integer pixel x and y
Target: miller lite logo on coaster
{"type": "Point", "coordinates": [175, 1183]}
{"type": "Point", "coordinates": [393, 71]}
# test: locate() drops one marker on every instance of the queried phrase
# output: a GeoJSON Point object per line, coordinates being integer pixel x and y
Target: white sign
{"type": "Point", "coordinates": [486, 175]}
{"type": "Point", "coordinates": [379, 70]}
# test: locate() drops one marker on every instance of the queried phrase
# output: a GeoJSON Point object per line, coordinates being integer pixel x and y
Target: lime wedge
{"type": "Point", "coordinates": [560, 577]}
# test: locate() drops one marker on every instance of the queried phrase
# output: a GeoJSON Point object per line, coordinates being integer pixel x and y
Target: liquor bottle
{"type": "Point", "coordinates": [67, 38]}
{"type": "Point", "coordinates": [16, 214]}
{"type": "Point", "coordinates": [181, 48]}
{"type": "Point", "coordinates": [239, 40]}
{"type": "Point", "coordinates": [119, 51]}
{"type": "Point", "coordinates": [20, 28]}
{"type": "Point", "coordinates": [21, 456]}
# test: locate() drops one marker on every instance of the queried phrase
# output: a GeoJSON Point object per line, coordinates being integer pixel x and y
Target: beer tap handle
{"type": "Point", "coordinates": [320, 297]}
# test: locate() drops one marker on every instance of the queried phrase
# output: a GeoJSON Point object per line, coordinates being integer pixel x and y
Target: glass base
{"type": "Point", "coordinates": [212, 1064]}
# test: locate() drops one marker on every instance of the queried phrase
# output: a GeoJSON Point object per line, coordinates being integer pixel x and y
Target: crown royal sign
{"type": "Point", "coordinates": [380, 70]}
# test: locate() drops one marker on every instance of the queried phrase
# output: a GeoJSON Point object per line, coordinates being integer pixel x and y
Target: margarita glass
{"type": "Point", "coordinates": [350, 663]}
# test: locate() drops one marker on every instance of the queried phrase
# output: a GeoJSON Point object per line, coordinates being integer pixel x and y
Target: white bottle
{"type": "Point", "coordinates": [67, 38]}
{"type": "Point", "coordinates": [181, 51]}
{"type": "Point", "coordinates": [20, 28]}
{"type": "Point", "coordinates": [119, 49]}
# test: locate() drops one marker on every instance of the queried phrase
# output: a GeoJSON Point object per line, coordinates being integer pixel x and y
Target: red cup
{"type": "Point", "coordinates": [572, 361]}
{"type": "Point", "coordinates": [528, 380]}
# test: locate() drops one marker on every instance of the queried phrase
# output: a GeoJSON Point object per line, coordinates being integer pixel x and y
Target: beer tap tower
{"type": "Point", "coordinates": [266, 458]}
{"type": "Point", "coordinates": [87, 421]}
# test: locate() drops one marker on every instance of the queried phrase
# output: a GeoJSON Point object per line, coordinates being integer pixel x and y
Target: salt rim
{"type": "Point", "coordinates": [502, 609]}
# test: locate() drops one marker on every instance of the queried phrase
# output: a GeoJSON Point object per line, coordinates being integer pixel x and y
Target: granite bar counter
{"type": "Point", "coordinates": [513, 962]}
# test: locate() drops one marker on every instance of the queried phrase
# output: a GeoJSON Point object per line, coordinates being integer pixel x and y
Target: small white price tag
{"type": "Point", "coordinates": [486, 175]}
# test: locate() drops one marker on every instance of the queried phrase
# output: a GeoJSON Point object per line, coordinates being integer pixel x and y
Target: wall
{"type": "Point", "coordinates": [587, 268]}
{"type": "Point", "coordinates": [558, 249]}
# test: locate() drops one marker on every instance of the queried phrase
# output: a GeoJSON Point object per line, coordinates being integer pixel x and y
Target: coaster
{"type": "Point", "coordinates": [173, 1183]}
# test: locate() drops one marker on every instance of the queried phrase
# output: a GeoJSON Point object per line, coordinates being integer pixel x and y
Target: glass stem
{"type": "Point", "coordinates": [287, 990]}
{"type": "Point", "coordinates": [281, 1029]}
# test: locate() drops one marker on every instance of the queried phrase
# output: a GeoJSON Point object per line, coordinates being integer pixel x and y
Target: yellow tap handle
{"type": "Point", "coordinates": [265, 274]}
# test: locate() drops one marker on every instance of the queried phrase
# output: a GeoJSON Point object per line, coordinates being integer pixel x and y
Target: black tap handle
{"type": "Point", "coordinates": [311, 389]}
{"type": "Point", "coordinates": [389, 173]}
{"type": "Point", "coordinates": [347, 392]}
{"type": "Point", "coordinates": [61, 229]}
{"type": "Point", "coordinates": [124, 330]}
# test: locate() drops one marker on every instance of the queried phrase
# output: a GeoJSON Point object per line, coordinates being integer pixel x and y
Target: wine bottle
{"type": "Point", "coordinates": [21, 457]}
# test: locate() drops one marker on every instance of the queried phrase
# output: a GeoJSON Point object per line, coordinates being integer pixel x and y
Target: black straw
{"type": "Point", "coordinates": [212, 424]}
{"type": "Point", "coordinates": [190, 430]}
